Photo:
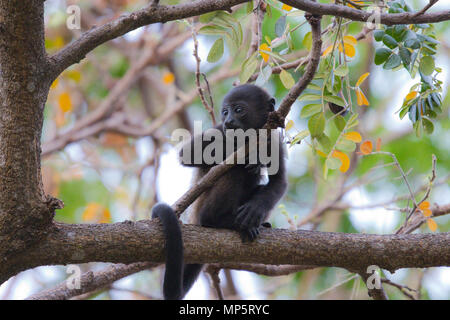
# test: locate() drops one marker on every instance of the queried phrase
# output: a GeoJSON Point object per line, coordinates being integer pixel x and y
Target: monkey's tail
{"type": "Point", "coordinates": [173, 277]}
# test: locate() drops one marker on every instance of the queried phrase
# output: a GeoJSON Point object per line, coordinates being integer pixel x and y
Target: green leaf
{"type": "Point", "coordinates": [207, 17]}
{"type": "Point", "coordinates": [405, 55]}
{"type": "Point", "coordinates": [307, 40]}
{"type": "Point", "coordinates": [412, 43]}
{"type": "Point", "coordinates": [428, 126]}
{"type": "Point", "coordinates": [216, 51]}
{"type": "Point", "coordinates": [393, 62]}
{"type": "Point", "coordinates": [280, 26]}
{"type": "Point", "coordinates": [316, 125]}
{"type": "Point", "coordinates": [325, 143]}
{"type": "Point", "coordinates": [353, 121]}
{"type": "Point", "coordinates": [400, 32]}
{"type": "Point", "coordinates": [300, 136]}
{"type": "Point", "coordinates": [248, 68]}
{"type": "Point", "coordinates": [389, 41]}
{"type": "Point", "coordinates": [212, 30]}
{"type": "Point", "coordinates": [339, 122]}
{"type": "Point", "coordinates": [378, 34]}
{"type": "Point", "coordinates": [249, 7]}
{"type": "Point", "coordinates": [333, 163]}
{"type": "Point", "coordinates": [418, 128]}
{"type": "Point", "coordinates": [264, 76]}
{"type": "Point", "coordinates": [341, 70]}
{"type": "Point", "coordinates": [403, 112]}
{"type": "Point", "coordinates": [310, 109]}
{"type": "Point", "coordinates": [381, 55]}
{"type": "Point", "coordinates": [426, 65]}
{"type": "Point", "coordinates": [413, 114]}
{"type": "Point", "coordinates": [346, 145]}
{"type": "Point", "coordinates": [335, 99]}
{"type": "Point", "coordinates": [287, 79]}
{"type": "Point", "coordinates": [325, 171]}
{"type": "Point", "coordinates": [274, 55]}
{"type": "Point", "coordinates": [309, 97]}
{"type": "Point", "coordinates": [314, 86]}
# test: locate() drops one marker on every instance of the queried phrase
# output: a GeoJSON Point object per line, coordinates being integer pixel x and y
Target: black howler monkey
{"type": "Point", "coordinates": [236, 201]}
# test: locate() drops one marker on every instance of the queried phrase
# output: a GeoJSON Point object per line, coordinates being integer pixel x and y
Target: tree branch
{"type": "Point", "coordinates": [77, 50]}
{"type": "Point", "coordinates": [363, 16]}
{"type": "Point", "coordinates": [129, 242]}
{"type": "Point", "coordinates": [91, 281]}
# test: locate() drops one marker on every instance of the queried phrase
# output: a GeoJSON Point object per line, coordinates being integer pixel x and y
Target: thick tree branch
{"type": "Point", "coordinates": [77, 50]}
{"type": "Point", "coordinates": [363, 16]}
{"type": "Point", "coordinates": [91, 281]}
{"type": "Point", "coordinates": [129, 242]}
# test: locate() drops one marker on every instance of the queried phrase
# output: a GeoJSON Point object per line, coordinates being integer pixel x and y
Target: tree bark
{"type": "Point", "coordinates": [129, 242]}
{"type": "Point", "coordinates": [24, 208]}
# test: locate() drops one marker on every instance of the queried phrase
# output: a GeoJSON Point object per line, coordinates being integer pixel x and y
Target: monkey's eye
{"type": "Point", "coordinates": [238, 109]}
{"type": "Point", "coordinates": [225, 112]}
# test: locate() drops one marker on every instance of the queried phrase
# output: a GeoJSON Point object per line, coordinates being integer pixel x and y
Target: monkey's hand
{"type": "Point", "coordinates": [249, 218]}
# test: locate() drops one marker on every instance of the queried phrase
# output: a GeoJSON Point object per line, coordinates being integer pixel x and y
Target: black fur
{"type": "Point", "coordinates": [236, 201]}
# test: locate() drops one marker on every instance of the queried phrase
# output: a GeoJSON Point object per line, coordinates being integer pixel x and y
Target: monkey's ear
{"type": "Point", "coordinates": [272, 104]}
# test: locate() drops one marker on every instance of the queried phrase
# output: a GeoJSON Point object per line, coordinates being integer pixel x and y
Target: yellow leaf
{"type": "Point", "coordinates": [60, 119]}
{"type": "Point", "coordinates": [105, 216]}
{"type": "Point", "coordinates": [355, 2]}
{"type": "Point", "coordinates": [264, 55]}
{"type": "Point", "coordinates": [362, 78]}
{"type": "Point", "coordinates": [95, 212]}
{"type": "Point", "coordinates": [424, 205]}
{"type": "Point", "coordinates": [427, 212]}
{"type": "Point", "coordinates": [286, 7]}
{"type": "Point", "coordinates": [58, 43]}
{"type": "Point", "coordinates": [350, 50]}
{"type": "Point", "coordinates": [353, 136]}
{"type": "Point", "coordinates": [411, 95]}
{"type": "Point", "coordinates": [54, 84]}
{"type": "Point", "coordinates": [64, 101]}
{"type": "Point", "coordinates": [74, 75]}
{"type": "Point", "coordinates": [366, 147]}
{"type": "Point", "coordinates": [350, 40]}
{"type": "Point", "coordinates": [432, 224]}
{"type": "Point", "coordinates": [327, 51]}
{"type": "Point", "coordinates": [378, 145]}
{"type": "Point", "coordinates": [289, 125]}
{"type": "Point", "coordinates": [361, 99]}
{"type": "Point", "coordinates": [320, 153]}
{"type": "Point", "coordinates": [168, 78]}
{"type": "Point", "coordinates": [344, 160]}
{"type": "Point", "coordinates": [91, 212]}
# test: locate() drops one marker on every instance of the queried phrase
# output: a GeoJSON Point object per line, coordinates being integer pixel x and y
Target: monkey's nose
{"type": "Point", "coordinates": [229, 124]}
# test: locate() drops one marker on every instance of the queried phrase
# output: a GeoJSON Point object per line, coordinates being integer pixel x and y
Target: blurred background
{"type": "Point", "coordinates": [120, 167]}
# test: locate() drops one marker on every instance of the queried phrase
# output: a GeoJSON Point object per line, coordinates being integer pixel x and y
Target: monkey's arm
{"type": "Point", "coordinates": [191, 153]}
{"type": "Point", "coordinates": [256, 210]}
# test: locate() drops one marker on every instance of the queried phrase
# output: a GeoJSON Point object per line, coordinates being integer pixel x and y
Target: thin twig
{"type": "Point", "coordinates": [213, 272]}
{"type": "Point", "coordinates": [428, 6]}
{"type": "Point", "coordinates": [402, 288]}
{"type": "Point", "coordinates": [197, 78]}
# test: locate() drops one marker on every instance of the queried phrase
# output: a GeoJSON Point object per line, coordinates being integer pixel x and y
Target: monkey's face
{"type": "Point", "coordinates": [245, 107]}
{"type": "Point", "coordinates": [235, 116]}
